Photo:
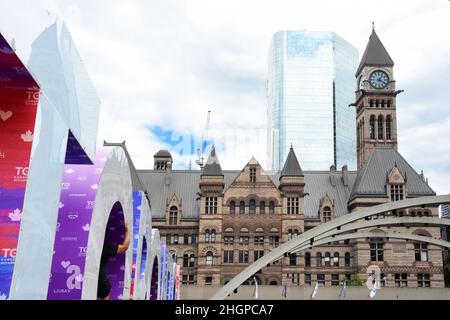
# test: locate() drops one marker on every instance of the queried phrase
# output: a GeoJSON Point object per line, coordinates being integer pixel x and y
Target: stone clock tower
{"type": "Point", "coordinates": [376, 117]}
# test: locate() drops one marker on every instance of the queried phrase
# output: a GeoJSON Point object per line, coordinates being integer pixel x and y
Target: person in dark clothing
{"type": "Point", "coordinates": [110, 250]}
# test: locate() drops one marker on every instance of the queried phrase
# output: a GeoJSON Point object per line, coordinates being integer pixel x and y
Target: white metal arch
{"type": "Point", "coordinates": [330, 235]}
{"type": "Point", "coordinates": [309, 235]}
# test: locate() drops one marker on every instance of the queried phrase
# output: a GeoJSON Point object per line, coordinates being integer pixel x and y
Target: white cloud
{"type": "Point", "coordinates": [166, 63]}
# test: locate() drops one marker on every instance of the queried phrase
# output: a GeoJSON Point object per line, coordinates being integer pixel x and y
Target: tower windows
{"type": "Point", "coordinates": [293, 205]}
{"type": "Point", "coordinates": [380, 127]}
{"type": "Point", "coordinates": [372, 127]}
{"type": "Point", "coordinates": [207, 236]}
{"type": "Point", "coordinates": [209, 258]}
{"type": "Point", "coordinates": [388, 127]}
{"type": "Point", "coordinates": [370, 103]}
{"type": "Point", "coordinates": [213, 235]}
{"type": "Point", "coordinates": [211, 205]}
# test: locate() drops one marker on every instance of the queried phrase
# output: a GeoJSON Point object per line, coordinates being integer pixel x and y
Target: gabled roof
{"type": "Point", "coordinates": [375, 54]}
{"type": "Point", "coordinates": [291, 166]}
{"type": "Point", "coordinates": [371, 179]}
{"type": "Point", "coordinates": [185, 183]}
{"type": "Point", "coordinates": [212, 166]}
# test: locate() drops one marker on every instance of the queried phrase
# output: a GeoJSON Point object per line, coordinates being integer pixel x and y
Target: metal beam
{"type": "Point", "coordinates": [309, 235]}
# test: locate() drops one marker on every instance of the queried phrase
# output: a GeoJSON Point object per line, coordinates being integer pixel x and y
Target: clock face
{"type": "Point", "coordinates": [379, 79]}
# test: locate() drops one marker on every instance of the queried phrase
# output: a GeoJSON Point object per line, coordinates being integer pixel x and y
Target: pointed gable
{"type": "Point", "coordinates": [395, 176]}
{"type": "Point", "coordinates": [212, 166]}
{"type": "Point", "coordinates": [291, 166]}
{"type": "Point", "coordinates": [371, 179]}
{"type": "Point", "coordinates": [375, 54]}
{"type": "Point", "coordinates": [243, 177]}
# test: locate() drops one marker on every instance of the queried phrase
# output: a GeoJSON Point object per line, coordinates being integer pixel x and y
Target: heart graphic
{"type": "Point", "coordinates": [5, 115]}
{"type": "Point", "coordinates": [65, 264]}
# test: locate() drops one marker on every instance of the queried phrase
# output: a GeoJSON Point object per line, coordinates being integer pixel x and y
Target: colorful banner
{"type": "Point", "coordinates": [137, 199]}
{"type": "Point", "coordinates": [163, 270]}
{"type": "Point", "coordinates": [177, 283]}
{"type": "Point", "coordinates": [78, 192]}
{"type": "Point", "coordinates": [19, 96]}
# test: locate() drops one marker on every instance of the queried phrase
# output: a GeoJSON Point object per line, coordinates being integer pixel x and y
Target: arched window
{"type": "Point", "coordinates": [209, 258]}
{"type": "Point", "coordinates": [293, 259]}
{"type": "Point", "coordinates": [372, 127]}
{"type": "Point", "coordinates": [252, 207]}
{"type": "Point", "coordinates": [232, 207]}
{"type": "Point", "coordinates": [347, 259]}
{"type": "Point", "coordinates": [389, 103]}
{"type": "Point", "coordinates": [173, 215]}
{"type": "Point", "coordinates": [174, 257]}
{"type": "Point", "coordinates": [383, 103]}
{"type": "Point", "coordinates": [192, 260]}
{"type": "Point", "coordinates": [213, 235]}
{"type": "Point", "coordinates": [271, 207]}
{"type": "Point", "coordinates": [326, 214]}
{"type": "Point", "coordinates": [380, 127]}
{"type": "Point", "coordinates": [319, 259]}
{"type": "Point", "coordinates": [273, 283]}
{"type": "Point", "coordinates": [327, 259]}
{"type": "Point", "coordinates": [207, 236]}
{"type": "Point", "coordinates": [377, 103]}
{"type": "Point", "coordinates": [336, 259]}
{"type": "Point", "coordinates": [185, 260]}
{"type": "Point", "coordinates": [421, 251]}
{"type": "Point", "coordinates": [262, 207]}
{"type": "Point", "coordinates": [242, 207]}
{"type": "Point", "coordinates": [388, 127]}
{"type": "Point", "coordinates": [307, 259]}
{"type": "Point", "coordinates": [370, 103]}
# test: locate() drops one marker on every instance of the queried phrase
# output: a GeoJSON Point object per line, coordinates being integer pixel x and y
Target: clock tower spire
{"type": "Point", "coordinates": [376, 117]}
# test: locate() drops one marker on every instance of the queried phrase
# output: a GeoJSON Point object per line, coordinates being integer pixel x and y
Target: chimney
{"type": "Point", "coordinates": [168, 173]}
{"type": "Point", "coordinates": [345, 175]}
{"type": "Point", "coordinates": [333, 175]}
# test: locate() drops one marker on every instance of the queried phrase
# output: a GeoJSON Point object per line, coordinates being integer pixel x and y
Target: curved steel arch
{"type": "Point", "coordinates": [372, 223]}
{"type": "Point", "coordinates": [309, 235]}
{"type": "Point", "coordinates": [388, 234]}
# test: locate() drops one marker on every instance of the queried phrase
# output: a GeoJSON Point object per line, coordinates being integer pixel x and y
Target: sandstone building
{"type": "Point", "coordinates": [216, 222]}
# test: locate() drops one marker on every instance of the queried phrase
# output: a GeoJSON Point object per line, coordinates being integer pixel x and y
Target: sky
{"type": "Point", "coordinates": [159, 66]}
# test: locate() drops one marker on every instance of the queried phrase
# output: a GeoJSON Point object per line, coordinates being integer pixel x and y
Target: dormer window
{"type": "Point", "coordinates": [326, 214]}
{"type": "Point", "coordinates": [173, 215]}
{"type": "Point", "coordinates": [396, 192]}
{"type": "Point", "coordinates": [253, 175]}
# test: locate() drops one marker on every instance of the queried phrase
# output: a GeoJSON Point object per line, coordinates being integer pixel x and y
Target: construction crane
{"type": "Point", "coordinates": [200, 150]}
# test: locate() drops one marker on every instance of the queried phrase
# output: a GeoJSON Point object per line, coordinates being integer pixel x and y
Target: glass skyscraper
{"type": "Point", "coordinates": [311, 83]}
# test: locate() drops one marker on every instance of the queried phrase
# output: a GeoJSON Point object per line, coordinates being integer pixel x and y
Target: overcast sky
{"type": "Point", "coordinates": [159, 66]}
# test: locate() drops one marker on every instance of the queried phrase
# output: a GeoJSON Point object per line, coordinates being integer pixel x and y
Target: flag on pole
{"type": "Point", "coordinates": [373, 292]}
{"type": "Point", "coordinates": [256, 288]}
{"type": "Point", "coordinates": [343, 292]}
{"type": "Point", "coordinates": [316, 289]}
{"type": "Point", "coordinates": [284, 293]}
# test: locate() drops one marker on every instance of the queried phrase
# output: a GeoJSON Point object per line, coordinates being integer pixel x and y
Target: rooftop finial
{"type": "Point", "coordinates": [373, 26]}
{"type": "Point", "coordinates": [291, 145]}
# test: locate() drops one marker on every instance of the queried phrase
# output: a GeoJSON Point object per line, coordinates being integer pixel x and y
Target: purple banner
{"type": "Point", "coordinates": [137, 199]}
{"type": "Point", "coordinates": [78, 192]}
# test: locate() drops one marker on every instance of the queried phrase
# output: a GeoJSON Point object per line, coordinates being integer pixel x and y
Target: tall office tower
{"type": "Point", "coordinates": [310, 85]}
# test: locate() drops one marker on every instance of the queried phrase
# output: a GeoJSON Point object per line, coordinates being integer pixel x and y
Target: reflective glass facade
{"type": "Point", "coordinates": [311, 83]}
